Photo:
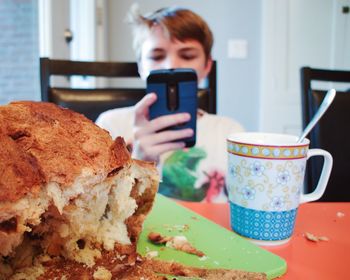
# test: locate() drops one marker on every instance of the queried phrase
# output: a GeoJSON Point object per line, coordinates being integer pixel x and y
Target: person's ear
{"type": "Point", "coordinates": [205, 72]}
{"type": "Point", "coordinates": [208, 66]}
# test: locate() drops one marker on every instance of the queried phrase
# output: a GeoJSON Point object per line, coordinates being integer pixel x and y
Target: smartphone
{"type": "Point", "coordinates": [176, 90]}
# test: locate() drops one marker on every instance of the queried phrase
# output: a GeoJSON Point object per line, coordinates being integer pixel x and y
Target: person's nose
{"type": "Point", "coordinates": [173, 62]}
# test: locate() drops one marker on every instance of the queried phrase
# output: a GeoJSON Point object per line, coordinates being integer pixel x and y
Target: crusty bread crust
{"type": "Point", "coordinates": [20, 172]}
{"type": "Point", "coordinates": [62, 141]}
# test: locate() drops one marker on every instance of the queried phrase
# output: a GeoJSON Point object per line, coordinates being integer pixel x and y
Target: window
{"type": "Point", "coordinates": [19, 51]}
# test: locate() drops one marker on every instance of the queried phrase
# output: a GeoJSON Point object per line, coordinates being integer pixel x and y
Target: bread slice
{"type": "Point", "coordinates": [173, 268]}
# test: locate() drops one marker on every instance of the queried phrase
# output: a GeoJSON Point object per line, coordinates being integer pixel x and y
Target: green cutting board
{"type": "Point", "coordinates": [223, 248]}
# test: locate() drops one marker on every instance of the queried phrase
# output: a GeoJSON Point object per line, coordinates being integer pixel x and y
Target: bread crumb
{"type": "Point", "coordinates": [311, 237]}
{"type": "Point", "coordinates": [323, 238]}
{"type": "Point", "coordinates": [176, 242]}
{"type": "Point", "coordinates": [151, 254]}
{"type": "Point", "coordinates": [340, 214]}
{"type": "Point", "coordinates": [102, 274]}
{"type": "Point", "coordinates": [180, 228]}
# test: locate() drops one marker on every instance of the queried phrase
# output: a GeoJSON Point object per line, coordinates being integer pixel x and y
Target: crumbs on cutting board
{"type": "Point", "coordinates": [151, 254]}
{"type": "Point", "coordinates": [180, 228]}
{"type": "Point", "coordinates": [179, 243]}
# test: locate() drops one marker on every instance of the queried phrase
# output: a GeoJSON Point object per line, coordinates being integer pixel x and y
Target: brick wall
{"type": "Point", "coordinates": [19, 50]}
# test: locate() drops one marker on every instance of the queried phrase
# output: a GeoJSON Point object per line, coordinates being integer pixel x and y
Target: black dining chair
{"type": "Point", "coordinates": [93, 101]}
{"type": "Point", "coordinates": [332, 133]}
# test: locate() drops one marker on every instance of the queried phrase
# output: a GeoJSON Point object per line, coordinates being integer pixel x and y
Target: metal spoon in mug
{"type": "Point", "coordinates": [328, 99]}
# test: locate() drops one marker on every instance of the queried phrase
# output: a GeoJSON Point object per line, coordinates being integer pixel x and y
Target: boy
{"type": "Point", "coordinates": [175, 38]}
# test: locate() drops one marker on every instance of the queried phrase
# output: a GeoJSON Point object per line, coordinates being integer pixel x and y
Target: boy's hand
{"type": "Point", "coordinates": [150, 137]}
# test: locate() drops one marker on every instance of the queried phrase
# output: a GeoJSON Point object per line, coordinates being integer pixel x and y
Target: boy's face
{"type": "Point", "coordinates": [159, 52]}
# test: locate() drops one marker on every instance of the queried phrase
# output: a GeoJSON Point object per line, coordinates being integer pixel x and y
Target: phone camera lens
{"type": "Point", "coordinates": [173, 102]}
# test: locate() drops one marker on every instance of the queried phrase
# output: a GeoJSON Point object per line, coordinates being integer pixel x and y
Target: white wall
{"type": "Point", "coordinates": [238, 80]}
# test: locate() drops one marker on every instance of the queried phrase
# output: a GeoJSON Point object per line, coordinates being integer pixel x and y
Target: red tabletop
{"type": "Point", "coordinates": [305, 259]}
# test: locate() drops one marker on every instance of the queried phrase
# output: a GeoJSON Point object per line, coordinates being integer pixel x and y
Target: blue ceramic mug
{"type": "Point", "coordinates": [265, 184]}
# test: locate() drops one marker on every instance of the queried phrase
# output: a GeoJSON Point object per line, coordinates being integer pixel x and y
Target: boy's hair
{"type": "Point", "coordinates": [178, 23]}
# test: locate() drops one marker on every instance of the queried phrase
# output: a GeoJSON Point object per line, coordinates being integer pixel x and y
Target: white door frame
{"type": "Point", "coordinates": [295, 33]}
{"type": "Point", "coordinates": [45, 28]}
{"type": "Point", "coordinates": [86, 19]}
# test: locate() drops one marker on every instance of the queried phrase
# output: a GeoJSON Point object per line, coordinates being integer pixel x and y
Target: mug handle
{"type": "Point", "coordinates": [324, 177]}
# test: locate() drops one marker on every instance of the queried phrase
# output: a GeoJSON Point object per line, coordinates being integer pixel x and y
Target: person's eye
{"type": "Point", "coordinates": [188, 56]}
{"type": "Point", "coordinates": [156, 57]}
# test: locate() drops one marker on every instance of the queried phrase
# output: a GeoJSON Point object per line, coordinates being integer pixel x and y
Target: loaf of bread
{"type": "Point", "coordinates": [72, 201]}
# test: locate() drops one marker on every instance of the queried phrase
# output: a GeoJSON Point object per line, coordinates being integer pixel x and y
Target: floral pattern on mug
{"type": "Point", "coordinates": [265, 184]}
{"type": "Point", "coordinates": [277, 203]}
{"type": "Point", "coordinates": [248, 193]}
{"type": "Point", "coordinates": [257, 168]}
{"type": "Point", "coordinates": [283, 177]}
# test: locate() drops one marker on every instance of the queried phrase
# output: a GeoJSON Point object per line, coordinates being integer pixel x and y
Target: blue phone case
{"type": "Point", "coordinates": [177, 93]}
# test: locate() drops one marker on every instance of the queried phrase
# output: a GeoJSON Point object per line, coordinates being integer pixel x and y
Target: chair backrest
{"type": "Point", "coordinates": [93, 101]}
{"type": "Point", "coordinates": [331, 133]}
